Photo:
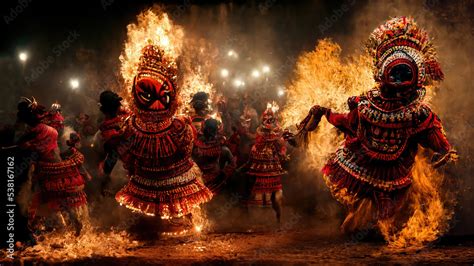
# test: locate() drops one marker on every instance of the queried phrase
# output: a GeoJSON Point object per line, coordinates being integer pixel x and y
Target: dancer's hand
{"type": "Point", "coordinates": [289, 137]}
{"type": "Point", "coordinates": [439, 160]}
{"type": "Point", "coordinates": [318, 111]}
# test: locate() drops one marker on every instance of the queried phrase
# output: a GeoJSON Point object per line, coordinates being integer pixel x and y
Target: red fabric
{"type": "Point", "coordinates": [434, 137]}
{"type": "Point", "coordinates": [356, 165]}
{"type": "Point", "coordinates": [55, 120]}
{"type": "Point", "coordinates": [45, 140]}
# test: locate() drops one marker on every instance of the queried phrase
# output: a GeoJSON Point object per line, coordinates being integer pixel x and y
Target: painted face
{"type": "Point", "coordinates": [268, 120]}
{"type": "Point", "coordinates": [155, 94]}
{"type": "Point", "coordinates": [400, 74]}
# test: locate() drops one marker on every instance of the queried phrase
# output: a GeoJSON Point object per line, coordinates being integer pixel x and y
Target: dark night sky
{"type": "Point", "coordinates": [100, 21]}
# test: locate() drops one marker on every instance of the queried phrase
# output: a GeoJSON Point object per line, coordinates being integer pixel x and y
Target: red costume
{"type": "Point", "coordinates": [59, 178]}
{"type": "Point", "coordinates": [264, 166]}
{"type": "Point", "coordinates": [385, 126]}
{"type": "Point", "coordinates": [200, 105]}
{"type": "Point", "coordinates": [164, 180]}
{"type": "Point", "coordinates": [212, 156]}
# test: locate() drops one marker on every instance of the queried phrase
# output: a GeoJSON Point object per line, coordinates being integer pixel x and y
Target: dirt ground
{"type": "Point", "coordinates": [284, 247]}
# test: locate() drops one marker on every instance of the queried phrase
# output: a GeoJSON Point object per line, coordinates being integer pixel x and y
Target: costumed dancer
{"type": "Point", "coordinates": [212, 156]}
{"type": "Point", "coordinates": [111, 131]}
{"type": "Point", "coordinates": [58, 181]}
{"type": "Point", "coordinates": [371, 172]}
{"type": "Point", "coordinates": [264, 167]}
{"type": "Point", "coordinates": [244, 137]}
{"type": "Point", "coordinates": [164, 180]}
{"type": "Point", "coordinates": [55, 118]}
{"type": "Point", "coordinates": [201, 111]}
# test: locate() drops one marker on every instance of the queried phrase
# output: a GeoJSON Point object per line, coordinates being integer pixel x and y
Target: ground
{"type": "Point", "coordinates": [310, 245]}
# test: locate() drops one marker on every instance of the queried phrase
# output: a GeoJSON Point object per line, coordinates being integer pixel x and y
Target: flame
{"type": "Point", "coordinates": [152, 27]}
{"type": "Point", "coordinates": [326, 79]}
{"type": "Point", "coordinates": [431, 212]}
{"type": "Point", "coordinates": [273, 106]}
{"type": "Point", "coordinates": [194, 81]}
{"type": "Point", "coordinates": [322, 77]}
{"type": "Point", "coordinates": [196, 57]}
{"type": "Point", "coordinates": [197, 64]}
{"type": "Point", "coordinates": [62, 246]}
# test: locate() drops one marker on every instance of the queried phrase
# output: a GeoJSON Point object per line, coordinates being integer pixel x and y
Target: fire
{"type": "Point", "coordinates": [152, 27]}
{"type": "Point", "coordinates": [194, 82]}
{"type": "Point", "coordinates": [61, 246]}
{"type": "Point", "coordinates": [195, 57]}
{"type": "Point", "coordinates": [322, 77]}
{"type": "Point", "coordinates": [431, 212]}
{"type": "Point", "coordinates": [326, 79]}
{"type": "Point", "coordinates": [197, 64]}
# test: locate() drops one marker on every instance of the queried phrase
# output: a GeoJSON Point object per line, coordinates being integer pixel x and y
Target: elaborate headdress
{"type": "Point", "coordinates": [400, 38]}
{"type": "Point", "coordinates": [153, 63]}
{"type": "Point", "coordinates": [269, 119]}
{"type": "Point", "coordinates": [29, 111]}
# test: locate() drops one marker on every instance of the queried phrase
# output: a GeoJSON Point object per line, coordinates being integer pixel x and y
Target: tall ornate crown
{"type": "Point", "coordinates": [401, 37]}
{"type": "Point", "coordinates": [153, 63]}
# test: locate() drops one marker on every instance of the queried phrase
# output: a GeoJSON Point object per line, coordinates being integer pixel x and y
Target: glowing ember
{"type": "Point", "coordinates": [59, 246]}
{"type": "Point", "coordinates": [198, 228]}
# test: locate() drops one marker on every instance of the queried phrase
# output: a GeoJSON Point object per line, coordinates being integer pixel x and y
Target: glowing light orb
{"type": "Point", "coordinates": [198, 228]}
{"type": "Point", "coordinates": [255, 73]}
{"type": "Point", "coordinates": [265, 69]}
{"type": "Point", "coordinates": [238, 83]}
{"type": "Point", "coordinates": [224, 73]}
{"type": "Point", "coordinates": [281, 92]}
{"type": "Point", "coordinates": [74, 83]}
{"type": "Point", "coordinates": [23, 56]}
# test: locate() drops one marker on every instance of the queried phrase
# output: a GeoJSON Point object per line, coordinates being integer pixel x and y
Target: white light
{"type": "Point", "coordinates": [23, 56]}
{"type": "Point", "coordinates": [74, 83]}
{"type": "Point", "coordinates": [265, 69]}
{"type": "Point", "coordinates": [198, 228]}
{"type": "Point", "coordinates": [255, 73]}
{"type": "Point", "coordinates": [232, 53]}
{"type": "Point", "coordinates": [224, 73]}
{"type": "Point", "coordinates": [238, 83]}
{"type": "Point", "coordinates": [281, 92]}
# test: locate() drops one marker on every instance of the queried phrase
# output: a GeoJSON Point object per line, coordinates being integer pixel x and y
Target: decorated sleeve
{"type": "Point", "coordinates": [346, 122]}
{"type": "Point", "coordinates": [433, 135]}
